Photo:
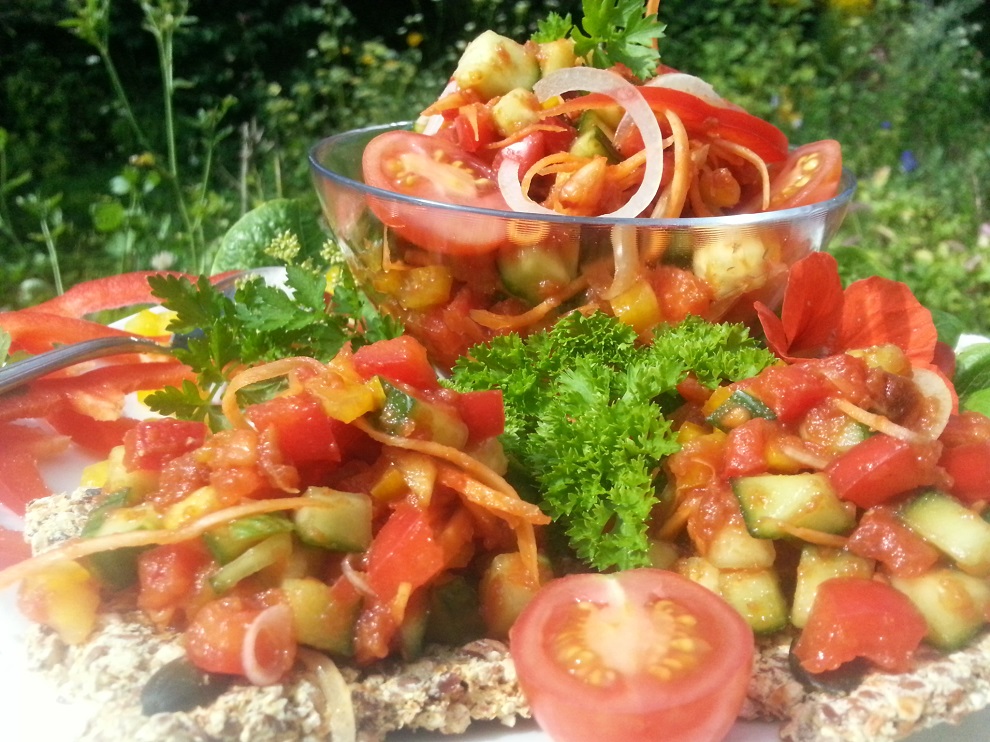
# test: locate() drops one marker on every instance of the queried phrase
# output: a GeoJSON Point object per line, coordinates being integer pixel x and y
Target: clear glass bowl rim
{"type": "Point", "coordinates": [781, 216]}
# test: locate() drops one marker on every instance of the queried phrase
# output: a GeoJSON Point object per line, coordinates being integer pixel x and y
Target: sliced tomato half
{"type": "Point", "coordinates": [810, 175]}
{"type": "Point", "coordinates": [434, 169]}
{"type": "Point", "coordinates": [622, 656]}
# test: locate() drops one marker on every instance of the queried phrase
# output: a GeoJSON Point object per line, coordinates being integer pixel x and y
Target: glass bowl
{"type": "Point", "coordinates": [456, 276]}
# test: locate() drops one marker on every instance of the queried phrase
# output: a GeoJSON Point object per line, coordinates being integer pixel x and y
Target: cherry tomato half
{"type": "Point", "coordinates": [623, 656]}
{"type": "Point", "coordinates": [809, 175]}
{"type": "Point", "coordinates": [434, 169]}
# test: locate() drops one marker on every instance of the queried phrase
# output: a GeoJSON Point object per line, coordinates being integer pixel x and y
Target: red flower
{"type": "Point", "coordinates": [819, 319]}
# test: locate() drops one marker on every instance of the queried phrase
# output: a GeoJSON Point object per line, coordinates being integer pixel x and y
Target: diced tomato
{"type": "Point", "coordinates": [153, 443]}
{"type": "Point", "coordinates": [966, 427]}
{"type": "Point", "coordinates": [170, 576]}
{"type": "Point", "coordinates": [880, 535]}
{"type": "Point", "coordinates": [881, 468]}
{"type": "Point", "coordinates": [790, 391]}
{"type": "Point", "coordinates": [473, 129]}
{"type": "Point", "coordinates": [603, 657]}
{"type": "Point", "coordinates": [680, 293]}
{"type": "Point", "coordinates": [13, 547]}
{"type": "Point", "coordinates": [180, 477]}
{"type": "Point", "coordinates": [968, 465]}
{"type": "Point", "coordinates": [746, 448]}
{"type": "Point", "coordinates": [482, 412]}
{"type": "Point", "coordinates": [858, 617]}
{"type": "Point", "coordinates": [303, 431]}
{"type": "Point", "coordinates": [95, 436]}
{"type": "Point", "coordinates": [404, 556]}
{"type": "Point", "coordinates": [449, 329]}
{"type": "Point", "coordinates": [218, 633]}
{"type": "Point", "coordinates": [402, 360]}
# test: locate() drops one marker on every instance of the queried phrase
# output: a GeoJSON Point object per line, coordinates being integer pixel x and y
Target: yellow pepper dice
{"type": "Point", "coordinates": [638, 307]}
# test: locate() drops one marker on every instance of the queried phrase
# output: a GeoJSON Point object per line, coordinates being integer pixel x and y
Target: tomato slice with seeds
{"type": "Point", "coordinates": [810, 175]}
{"type": "Point", "coordinates": [619, 656]}
{"type": "Point", "coordinates": [434, 169]}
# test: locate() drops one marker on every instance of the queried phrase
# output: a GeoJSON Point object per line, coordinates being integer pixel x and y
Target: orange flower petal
{"type": "Point", "coordinates": [879, 311]}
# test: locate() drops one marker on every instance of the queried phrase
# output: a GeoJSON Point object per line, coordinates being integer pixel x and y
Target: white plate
{"type": "Point", "coordinates": [32, 709]}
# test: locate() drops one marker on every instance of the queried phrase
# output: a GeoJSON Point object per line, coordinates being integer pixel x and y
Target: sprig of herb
{"type": "Point", "coordinates": [587, 418]}
{"type": "Point", "coordinates": [611, 32]}
{"type": "Point", "coordinates": [260, 323]}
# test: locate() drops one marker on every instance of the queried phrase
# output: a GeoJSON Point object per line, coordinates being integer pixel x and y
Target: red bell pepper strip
{"type": "Point", "coordinates": [36, 332]}
{"type": "Point", "coordinates": [13, 548]}
{"type": "Point", "coordinates": [111, 292]}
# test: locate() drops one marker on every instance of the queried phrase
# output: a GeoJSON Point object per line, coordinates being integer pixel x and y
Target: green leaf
{"type": "Point", "coordinates": [972, 370]}
{"type": "Point", "coordinates": [247, 243]}
{"type": "Point", "coordinates": [552, 28]}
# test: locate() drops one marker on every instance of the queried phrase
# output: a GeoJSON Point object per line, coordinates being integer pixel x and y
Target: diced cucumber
{"type": "Point", "coordinates": [227, 542]}
{"type": "Point", "coordinates": [118, 568]}
{"type": "Point", "coordinates": [342, 524]}
{"type": "Point", "coordinates": [737, 409]}
{"type": "Point", "coordinates": [662, 554]}
{"type": "Point", "coordinates": [555, 55]}
{"type": "Point", "coordinates": [412, 630]}
{"type": "Point", "coordinates": [734, 547]}
{"type": "Point", "coordinates": [700, 570]}
{"type": "Point", "coordinates": [269, 552]}
{"type": "Point", "coordinates": [454, 613]}
{"type": "Point", "coordinates": [954, 604]}
{"type": "Point", "coordinates": [138, 483]}
{"type": "Point", "coordinates": [817, 564]}
{"type": "Point", "coordinates": [757, 596]}
{"type": "Point", "coordinates": [952, 528]}
{"type": "Point", "coordinates": [533, 272]}
{"type": "Point", "coordinates": [324, 615]}
{"type": "Point", "coordinates": [493, 65]}
{"type": "Point", "coordinates": [516, 110]}
{"type": "Point", "coordinates": [772, 502]}
{"type": "Point", "coordinates": [505, 590]}
{"type": "Point", "coordinates": [402, 414]}
{"type": "Point", "coordinates": [594, 138]}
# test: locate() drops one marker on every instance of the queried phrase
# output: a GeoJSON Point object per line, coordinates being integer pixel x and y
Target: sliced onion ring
{"type": "Point", "coordinates": [625, 94]}
{"type": "Point", "coordinates": [262, 666]}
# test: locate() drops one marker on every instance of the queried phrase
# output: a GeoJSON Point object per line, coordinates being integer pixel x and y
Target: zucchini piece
{"type": "Point", "coordinates": [740, 407]}
{"type": "Point", "coordinates": [516, 110]}
{"type": "Point", "coordinates": [807, 500]}
{"type": "Point", "coordinates": [757, 596]}
{"type": "Point", "coordinates": [952, 528]}
{"type": "Point", "coordinates": [324, 616]}
{"type": "Point", "coordinates": [817, 564]}
{"type": "Point", "coordinates": [227, 542]}
{"type": "Point", "coordinates": [271, 551]}
{"type": "Point", "coordinates": [594, 138]}
{"type": "Point", "coordinates": [700, 570]}
{"type": "Point", "coordinates": [953, 603]}
{"type": "Point", "coordinates": [343, 524]}
{"type": "Point", "coordinates": [505, 590]}
{"type": "Point", "coordinates": [734, 547]}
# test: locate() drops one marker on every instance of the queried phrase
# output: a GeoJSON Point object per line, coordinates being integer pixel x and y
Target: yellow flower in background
{"type": "Point", "coordinates": [414, 39]}
{"type": "Point", "coordinates": [851, 7]}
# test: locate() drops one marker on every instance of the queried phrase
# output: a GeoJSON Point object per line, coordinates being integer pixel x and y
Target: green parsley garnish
{"type": "Point", "coordinates": [586, 419]}
{"type": "Point", "coordinates": [611, 32]}
{"type": "Point", "coordinates": [260, 323]}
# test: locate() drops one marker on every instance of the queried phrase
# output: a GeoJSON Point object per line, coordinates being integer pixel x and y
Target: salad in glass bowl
{"type": "Point", "coordinates": [537, 185]}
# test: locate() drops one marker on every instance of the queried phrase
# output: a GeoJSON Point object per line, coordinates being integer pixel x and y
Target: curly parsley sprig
{"type": "Point", "coordinates": [611, 32]}
{"type": "Point", "coordinates": [587, 418]}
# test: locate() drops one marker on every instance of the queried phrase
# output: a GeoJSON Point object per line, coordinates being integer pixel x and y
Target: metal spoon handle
{"type": "Point", "coordinates": [21, 372]}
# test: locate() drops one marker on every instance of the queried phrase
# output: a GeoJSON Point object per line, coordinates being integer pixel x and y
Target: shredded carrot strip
{"type": "Point", "coordinates": [672, 204]}
{"type": "Point", "coordinates": [471, 112]}
{"type": "Point", "coordinates": [510, 505]}
{"type": "Point", "coordinates": [749, 156]}
{"type": "Point", "coordinates": [526, 539]}
{"type": "Point", "coordinates": [628, 173]}
{"type": "Point", "coordinates": [813, 536]}
{"type": "Point", "coordinates": [525, 132]}
{"type": "Point", "coordinates": [677, 520]}
{"type": "Point", "coordinates": [802, 455]}
{"type": "Point", "coordinates": [256, 374]}
{"type": "Point", "coordinates": [494, 321]}
{"type": "Point", "coordinates": [461, 460]}
{"type": "Point", "coordinates": [876, 422]}
{"type": "Point", "coordinates": [80, 547]}
{"type": "Point", "coordinates": [582, 103]}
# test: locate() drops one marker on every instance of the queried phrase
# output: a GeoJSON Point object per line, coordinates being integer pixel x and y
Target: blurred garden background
{"type": "Point", "coordinates": [134, 133]}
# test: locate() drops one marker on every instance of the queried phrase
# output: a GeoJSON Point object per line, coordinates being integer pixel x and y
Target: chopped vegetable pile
{"type": "Point", "coordinates": [313, 482]}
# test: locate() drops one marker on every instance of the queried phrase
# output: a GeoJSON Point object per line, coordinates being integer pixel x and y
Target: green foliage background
{"type": "Point", "coordinates": [96, 179]}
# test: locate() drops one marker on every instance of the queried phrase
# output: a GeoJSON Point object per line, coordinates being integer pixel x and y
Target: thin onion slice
{"type": "Point", "coordinates": [339, 702]}
{"type": "Point", "coordinates": [269, 648]}
{"type": "Point", "coordinates": [939, 402]}
{"type": "Point", "coordinates": [625, 94]}
{"type": "Point", "coordinates": [690, 84]}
